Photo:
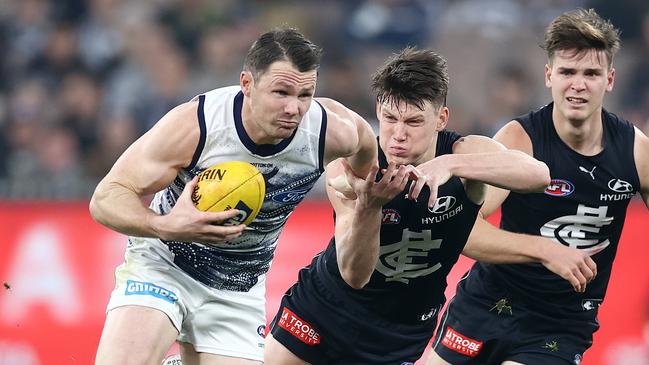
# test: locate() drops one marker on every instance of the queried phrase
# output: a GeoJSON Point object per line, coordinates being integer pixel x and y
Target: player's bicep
{"type": "Point", "coordinates": [153, 161]}
{"type": "Point", "coordinates": [350, 136]}
{"type": "Point", "coordinates": [511, 136]}
{"type": "Point", "coordinates": [476, 190]}
{"type": "Point", "coordinates": [367, 153]}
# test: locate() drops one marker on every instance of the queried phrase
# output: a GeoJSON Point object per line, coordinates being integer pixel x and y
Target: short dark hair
{"type": "Point", "coordinates": [282, 44]}
{"type": "Point", "coordinates": [412, 76]}
{"type": "Point", "coordinates": [581, 30]}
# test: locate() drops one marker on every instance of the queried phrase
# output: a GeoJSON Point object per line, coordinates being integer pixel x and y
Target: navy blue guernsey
{"type": "Point", "coordinates": [584, 207]}
{"type": "Point", "coordinates": [419, 246]}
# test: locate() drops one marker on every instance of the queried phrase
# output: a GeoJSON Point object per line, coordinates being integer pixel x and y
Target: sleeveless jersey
{"type": "Point", "coordinates": [584, 207]}
{"type": "Point", "coordinates": [419, 246]}
{"type": "Point", "coordinates": [290, 170]}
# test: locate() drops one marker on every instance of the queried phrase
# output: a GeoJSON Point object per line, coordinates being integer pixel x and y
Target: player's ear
{"type": "Point", "coordinates": [610, 76]}
{"type": "Point", "coordinates": [442, 119]}
{"type": "Point", "coordinates": [548, 75]}
{"type": "Point", "coordinates": [246, 81]}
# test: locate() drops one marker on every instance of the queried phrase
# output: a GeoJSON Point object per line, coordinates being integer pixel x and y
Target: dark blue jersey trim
{"type": "Point", "coordinates": [201, 125]}
{"type": "Point", "coordinates": [262, 149]}
{"type": "Point", "coordinates": [323, 133]}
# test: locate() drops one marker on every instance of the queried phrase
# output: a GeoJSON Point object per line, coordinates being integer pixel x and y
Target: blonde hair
{"type": "Point", "coordinates": [581, 30]}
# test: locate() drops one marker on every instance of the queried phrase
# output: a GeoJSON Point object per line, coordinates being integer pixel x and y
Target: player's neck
{"type": "Point", "coordinates": [584, 136]}
{"type": "Point", "coordinates": [256, 134]}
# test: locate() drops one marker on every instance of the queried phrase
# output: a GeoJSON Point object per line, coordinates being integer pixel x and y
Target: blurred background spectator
{"type": "Point", "coordinates": [80, 80]}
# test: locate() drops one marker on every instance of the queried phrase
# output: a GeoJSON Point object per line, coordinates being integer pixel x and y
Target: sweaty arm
{"type": "Point", "coordinates": [480, 160]}
{"type": "Point", "coordinates": [358, 221]}
{"type": "Point", "coordinates": [641, 155]}
{"type": "Point", "coordinates": [150, 164]}
{"type": "Point", "coordinates": [350, 136]}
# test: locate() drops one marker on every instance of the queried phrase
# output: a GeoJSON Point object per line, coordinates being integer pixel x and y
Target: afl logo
{"type": "Point", "coordinates": [443, 204]}
{"type": "Point", "coordinates": [560, 187]}
{"type": "Point", "coordinates": [620, 186]}
{"type": "Point", "coordinates": [390, 216]}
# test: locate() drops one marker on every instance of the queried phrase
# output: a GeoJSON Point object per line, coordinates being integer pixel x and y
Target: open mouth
{"type": "Point", "coordinates": [576, 100]}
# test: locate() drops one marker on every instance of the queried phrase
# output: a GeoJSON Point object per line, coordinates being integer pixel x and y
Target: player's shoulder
{"type": "Point", "coordinates": [338, 113]}
{"type": "Point", "coordinates": [182, 114]}
{"type": "Point", "coordinates": [641, 156]}
{"type": "Point", "coordinates": [513, 135]}
{"type": "Point", "coordinates": [475, 143]}
{"type": "Point", "coordinates": [641, 145]}
{"type": "Point", "coordinates": [345, 128]}
{"type": "Point", "coordinates": [610, 117]}
{"type": "Point", "coordinates": [221, 92]}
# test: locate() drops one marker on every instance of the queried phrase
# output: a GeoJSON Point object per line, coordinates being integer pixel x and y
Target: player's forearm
{"type": "Point", "coordinates": [120, 209]}
{"type": "Point", "coordinates": [490, 244]}
{"type": "Point", "coordinates": [358, 246]}
{"type": "Point", "coordinates": [509, 169]}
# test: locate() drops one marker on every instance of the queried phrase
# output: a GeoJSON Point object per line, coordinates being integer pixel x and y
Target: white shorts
{"type": "Point", "coordinates": [215, 321]}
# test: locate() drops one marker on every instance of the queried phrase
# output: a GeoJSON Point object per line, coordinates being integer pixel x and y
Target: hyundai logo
{"type": "Point", "coordinates": [620, 186]}
{"type": "Point", "coordinates": [443, 204]}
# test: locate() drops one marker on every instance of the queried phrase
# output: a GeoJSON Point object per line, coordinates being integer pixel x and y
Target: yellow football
{"type": "Point", "coordinates": [231, 185]}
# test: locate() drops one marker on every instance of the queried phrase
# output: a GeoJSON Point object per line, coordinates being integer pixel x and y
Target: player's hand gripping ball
{"type": "Point", "coordinates": [231, 185]}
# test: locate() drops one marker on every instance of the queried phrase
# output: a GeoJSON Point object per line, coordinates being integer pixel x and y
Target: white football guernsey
{"type": "Point", "coordinates": [290, 170]}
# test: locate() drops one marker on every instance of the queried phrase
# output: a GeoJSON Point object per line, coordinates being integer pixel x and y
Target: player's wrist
{"type": "Point", "coordinates": [156, 227]}
{"type": "Point", "coordinates": [543, 250]}
{"type": "Point", "coordinates": [368, 206]}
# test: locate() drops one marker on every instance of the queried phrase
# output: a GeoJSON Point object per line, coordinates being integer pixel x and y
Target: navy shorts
{"type": "Point", "coordinates": [487, 324]}
{"type": "Point", "coordinates": [321, 326]}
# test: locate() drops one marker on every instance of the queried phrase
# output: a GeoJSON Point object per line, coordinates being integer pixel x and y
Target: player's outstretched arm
{"type": "Point", "coordinates": [149, 165]}
{"type": "Point", "coordinates": [481, 160]}
{"type": "Point", "coordinates": [641, 155]}
{"type": "Point", "coordinates": [491, 244]}
{"type": "Point", "coordinates": [358, 221]}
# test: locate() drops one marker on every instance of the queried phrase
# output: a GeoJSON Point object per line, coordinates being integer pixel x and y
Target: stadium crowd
{"type": "Point", "coordinates": [80, 80]}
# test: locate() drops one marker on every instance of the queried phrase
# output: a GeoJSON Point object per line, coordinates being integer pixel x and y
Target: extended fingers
{"type": "Point", "coordinates": [417, 186]}
{"type": "Point", "coordinates": [371, 175]}
{"type": "Point", "coordinates": [433, 195]}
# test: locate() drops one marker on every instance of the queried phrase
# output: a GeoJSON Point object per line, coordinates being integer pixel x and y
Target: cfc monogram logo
{"type": "Point", "coordinates": [397, 261]}
{"type": "Point", "coordinates": [581, 230]}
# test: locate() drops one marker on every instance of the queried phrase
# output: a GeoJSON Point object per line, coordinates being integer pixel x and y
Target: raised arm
{"type": "Point", "coordinates": [481, 160]}
{"type": "Point", "coordinates": [513, 136]}
{"type": "Point", "coordinates": [358, 221]}
{"type": "Point", "coordinates": [149, 165]}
